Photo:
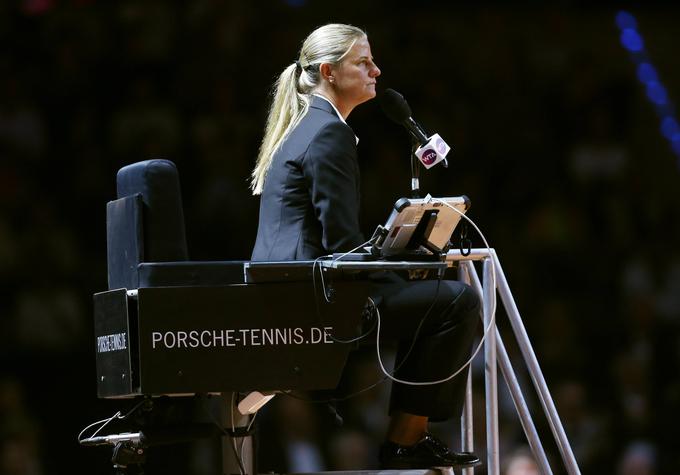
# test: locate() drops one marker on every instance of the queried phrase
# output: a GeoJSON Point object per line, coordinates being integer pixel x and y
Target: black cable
{"type": "Point", "coordinates": [371, 241]}
{"type": "Point", "coordinates": [397, 367]}
{"type": "Point", "coordinates": [134, 409]}
{"type": "Point", "coordinates": [238, 458]}
{"type": "Point", "coordinates": [225, 432]}
{"type": "Point", "coordinates": [420, 325]}
{"type": "Point", "coordinates": [318, 309]}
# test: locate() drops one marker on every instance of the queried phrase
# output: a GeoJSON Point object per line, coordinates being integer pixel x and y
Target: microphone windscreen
{"type": "Point", "coordinates": [395, 106]}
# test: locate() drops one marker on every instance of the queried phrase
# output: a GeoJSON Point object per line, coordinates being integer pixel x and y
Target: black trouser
{"type": "Point", "coordinates": [443, 343]}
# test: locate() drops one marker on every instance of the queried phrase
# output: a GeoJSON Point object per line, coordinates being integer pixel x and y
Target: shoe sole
{"type": "Point", "coordinates": [406, 466]}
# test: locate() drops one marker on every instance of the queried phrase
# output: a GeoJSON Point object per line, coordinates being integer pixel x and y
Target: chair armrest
{"type": "Point", "coordinates": [190, 273]}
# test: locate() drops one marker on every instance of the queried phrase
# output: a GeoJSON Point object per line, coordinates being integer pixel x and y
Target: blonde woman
{"type": "Point", "coordinates": [308, 177]}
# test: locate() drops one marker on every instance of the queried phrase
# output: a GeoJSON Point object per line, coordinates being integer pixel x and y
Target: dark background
{"type": "Point", "coordinates": [555, 142]}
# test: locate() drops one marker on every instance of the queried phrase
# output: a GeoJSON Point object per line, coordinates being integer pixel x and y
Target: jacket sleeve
{"type": "Point", "coordinates": [332, 173]}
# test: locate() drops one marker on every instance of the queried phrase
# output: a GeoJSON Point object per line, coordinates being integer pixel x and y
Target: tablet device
{"type": "Point", "coordinates": [419, 227]}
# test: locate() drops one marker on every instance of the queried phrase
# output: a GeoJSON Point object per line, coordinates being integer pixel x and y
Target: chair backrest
{"type": "Point", "coordinates": [146, 222]}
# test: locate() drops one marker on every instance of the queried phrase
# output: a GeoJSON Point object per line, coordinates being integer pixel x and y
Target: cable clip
{"type": "Point", "coordinates": [465, 242]}
{"type": "Point", "coordinates": [239, 432]}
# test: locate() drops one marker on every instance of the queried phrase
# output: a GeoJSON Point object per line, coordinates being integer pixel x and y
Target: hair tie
{"type": "Point", "coordinates": [298, 66]}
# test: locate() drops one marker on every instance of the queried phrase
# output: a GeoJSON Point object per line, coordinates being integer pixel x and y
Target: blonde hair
{"type": "Point", "coordinates": [327, 44]}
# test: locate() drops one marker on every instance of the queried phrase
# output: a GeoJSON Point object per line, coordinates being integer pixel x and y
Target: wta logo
{"type": "Point", "coordinates": [428, 157]}
{"type": "Point", "coordinates": [433, 151]}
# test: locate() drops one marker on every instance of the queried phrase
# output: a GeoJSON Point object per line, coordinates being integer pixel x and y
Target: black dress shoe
{"type": "Point", "coordinates": [426, 453]}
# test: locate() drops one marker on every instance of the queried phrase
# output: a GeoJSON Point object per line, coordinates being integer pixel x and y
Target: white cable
{"type": "Point", "coordinates": [318, 259]}
{"type": "Point", "coordinates": [104, 422]}
{"type": "Point", "coordinates": [243, 439]}
{"type": "Point", "coordinates": [486, 330]}
{"type": "Point", "coordinates": [488, 248]}
{"type": "Point", "coordinates": [233, 438]}
{"type": "Point", "coordinates": [349, 252]}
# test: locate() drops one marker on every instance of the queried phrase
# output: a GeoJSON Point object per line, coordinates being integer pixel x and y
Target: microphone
{"type": "Point", "coordinates": [397, 109]}
{"type": "Point", "coordinates": [432, 150]}
{"type": "Point", "coordinates": [167, 435]}
{"type": "Point", "coordinates": [113, 439]}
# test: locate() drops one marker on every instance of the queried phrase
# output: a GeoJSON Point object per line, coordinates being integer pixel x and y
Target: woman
{"type": "Point", "coordinates": [308, 176]}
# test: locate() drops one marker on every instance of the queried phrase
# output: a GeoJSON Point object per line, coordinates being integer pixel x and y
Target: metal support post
{"type": "Point", "coordinates": [535, 371]}
{"type": "Point", "coordinates": [490, 373]}
{"type": "Point", "coordinates": [522, 408]}
{"type": "Point", "coordinates": [466, 421]}
{"type": "Point", "coordinates": [514, 387]}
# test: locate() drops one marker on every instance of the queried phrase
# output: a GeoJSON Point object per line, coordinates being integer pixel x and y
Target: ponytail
{"type": "Point", "coordinates": [287, 108]}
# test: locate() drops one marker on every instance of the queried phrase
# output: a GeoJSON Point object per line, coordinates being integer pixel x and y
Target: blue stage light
{"type": "Point", "coordinates": [657, 93]}
{"type": "Point", "coordinates": [626, 20]}
{"type": "Point", "coordinates": [670, 128]}
{"type": "Point", "coordinates": [676, 146]}
{"type": "Point", "coordinates": [631, 40]}
{"type": "Point", "coordinates": [646, 73]}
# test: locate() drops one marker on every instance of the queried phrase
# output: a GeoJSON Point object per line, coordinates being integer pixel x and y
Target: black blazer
{"type": "Point", "coordinates": [310, 202]}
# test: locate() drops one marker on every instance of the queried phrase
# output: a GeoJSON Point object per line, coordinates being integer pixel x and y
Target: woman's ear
{"type": "Point", "coordinates": [326, 71]}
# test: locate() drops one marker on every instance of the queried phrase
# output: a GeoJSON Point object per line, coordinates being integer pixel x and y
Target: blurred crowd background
{"type": "Point", "coordinates": [554, 140]}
